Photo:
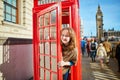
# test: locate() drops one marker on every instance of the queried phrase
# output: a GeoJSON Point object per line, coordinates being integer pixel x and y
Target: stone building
{"type": "Point", "coordinates": [81, 29]}
{"type": "Point", "coordinates": [111, 33]}
{"type": "Point", "coordinates": [101, 34]}
{"type": "Point", "coordinates": [16, 39]}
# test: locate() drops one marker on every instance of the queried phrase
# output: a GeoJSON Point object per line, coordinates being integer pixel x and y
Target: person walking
{"type": "Point", "coordinates": [117, 56]}
{"type": "Point", "coordinates": [88, 47]}
{"type": "Point", "coordinates": [101, 54]}
{"type": "Point", "coordinates": [93, 47]}
{"type": "Point", "coordinates": [83, 46]}
{"type": "Point", "coordinates": [69, 51]}
{"type": "Point", "coordinates": [108, 49]}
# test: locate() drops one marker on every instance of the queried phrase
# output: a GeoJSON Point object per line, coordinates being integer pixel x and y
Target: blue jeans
{"type": "Point", "coordinates": [65, 76]}
{"type": "Point", "coordinates": [83, 50]}
{"type": "Point", "coordinates": [93, 55]}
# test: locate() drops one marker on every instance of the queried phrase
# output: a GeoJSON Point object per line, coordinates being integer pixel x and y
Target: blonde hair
{"type": "Point", "coordinates": [72, 42]}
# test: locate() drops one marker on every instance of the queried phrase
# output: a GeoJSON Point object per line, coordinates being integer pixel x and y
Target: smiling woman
{"type": "Point", "coordinates": [65, 37]}
{"type": "Point", "coordinates": [69, 51]}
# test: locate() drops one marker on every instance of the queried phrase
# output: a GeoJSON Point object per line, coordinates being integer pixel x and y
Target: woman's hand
{"type": "Point", "coordinates": [63, 63]}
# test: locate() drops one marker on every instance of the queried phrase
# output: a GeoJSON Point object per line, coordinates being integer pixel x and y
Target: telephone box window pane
{"type": "Point", "coordinates": [48, 75]}
{"type": "Point", "coordinates": [41, 48]}
{"type": "Point", "coordinates": [53, 48]}
{"type": "Point", "coordinates": [41, 60]}
{"type": "Point", "coordinates": [65, 25]}
{"type": "Point", "coordinates": [54, 64]}
{"type": "Point", "coordinates": [46, 33]}
{"type": "Point", "coordinates": [52, 0]}
{"type": "Point", "coordinates": [41, 34]}
{"type": "Point", "coordinates": [47, 62]}
{"type": "Point", "coordinates": [53, 17]}
{"type": "Point", "coordinates": [41, 21]}
{"type": "Point", "coordinates": [39, 2]}
{"type": "Point", "coordinates": [53, 32]}
{"type": "Point", "coordinates": [46, 19]}
{"type": "Point", "coordinates": [41, 74]}
{"type": "Point", "coordinates": [47, 1]}
{"type": "Point", "coordinates": [54, 76]}
{"type": "Point", "coordinates": [47, 48]}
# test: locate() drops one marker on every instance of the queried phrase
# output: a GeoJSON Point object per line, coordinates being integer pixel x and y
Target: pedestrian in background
{"type": "Point", "coordinates": [88, 47]}
{"type": "Point", "coordinates": [108, 49]}
{"type": "Point", "coordinates": [96, 45]}
{"type": "Point", "coordinates": [101, 54]}
{"type": "Point", "coordinates": [93, 47]}
{"type": "Point", "coordinates": [69, 51]}
{"type": "Point", "coordinates": [118, 55]}
{"type": "Point", "coordinates": [83, 46]}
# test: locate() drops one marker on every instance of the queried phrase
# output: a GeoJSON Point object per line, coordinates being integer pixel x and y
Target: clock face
{"type": "Point", "coordinates": [98, 17]}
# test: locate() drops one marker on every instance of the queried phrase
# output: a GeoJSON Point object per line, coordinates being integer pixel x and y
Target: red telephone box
{"type": "Point", "coordinates": [49, 17]}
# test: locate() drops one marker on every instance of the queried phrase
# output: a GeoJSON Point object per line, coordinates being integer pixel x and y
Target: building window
{"type": "Point", "coordinates": [10, 11]}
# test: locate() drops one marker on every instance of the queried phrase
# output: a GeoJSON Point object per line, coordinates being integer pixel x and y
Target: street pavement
{"type": "Point", "coordinates": [92, 71]}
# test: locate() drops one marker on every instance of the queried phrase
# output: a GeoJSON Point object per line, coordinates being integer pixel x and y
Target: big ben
{"type": "Point", "coordinates": [99, 23]}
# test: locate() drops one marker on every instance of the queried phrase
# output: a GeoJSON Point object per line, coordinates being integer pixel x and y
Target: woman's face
{"type": "Point", "coordinates": [65, 38]}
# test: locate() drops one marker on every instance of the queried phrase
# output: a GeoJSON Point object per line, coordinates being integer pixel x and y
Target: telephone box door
{"type": "Point", "coordinates": [47, 51]}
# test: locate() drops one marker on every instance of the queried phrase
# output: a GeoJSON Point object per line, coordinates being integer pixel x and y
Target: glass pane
{"type": "Point", "coordinates": [65, 25]}
{"type": "Point", "coordinates": [46, 33]}
{"type": "Point", "coordinates": [13, 19]}
{"type": "Point", "coordinates": [47, 62]}
{"type": "Point", "coordinates": [47, 48]}
{"type": "Point", "coordinates": [9, 1]}
{"type": "Point", "coordinates": [53, 17]}
{"type": "Point", "coordinates": [41, 21]}
{"type": "Point", "coordinates": [8, 17]}
{"type": "Point", "coordinates": [4, 11]}
{"type": "Point", "coordinates": [53, 32]}
{"type": "Point", "coordinates": [53, 49]}
{"type": "Point", "coordinates": [41, 46]}
{"type": "Point", "coordinates": [42, 60]}
{"type": "Point", "coordinates": [54, 64]}
{"type": "Point", "coordinates": [41, 74]}
{"type": "Point", "coordinates": [14, 12]}
{"type": "Point", "coordinates": [14, 3]}
{"type": "Point", "coordinates": [41, 34]}
{"type": "Point", "coordinates": [8, 9]}
{"type": "Point", "coordinates": [39, 2]}
{"type": "Point", "coordinates": [46, 19]}
{"type": "Point", "coordinates": [47, 1]}
{"type": "Point", "coordinates": [48, 75]}
{"type": "Point", "coordinates": [54, 76]}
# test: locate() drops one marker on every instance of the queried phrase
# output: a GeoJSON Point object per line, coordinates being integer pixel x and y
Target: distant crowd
{"type": "Point", "coordinates": [101, 51]}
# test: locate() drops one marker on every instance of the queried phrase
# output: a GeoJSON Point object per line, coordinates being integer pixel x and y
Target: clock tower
{"type": "Point", "coordinates": [99, 23]}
